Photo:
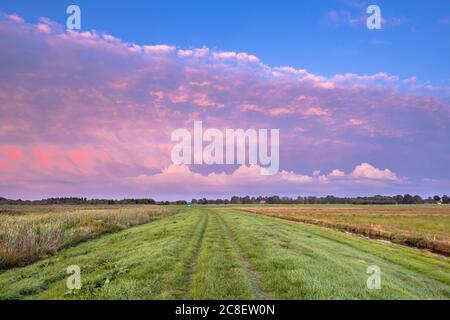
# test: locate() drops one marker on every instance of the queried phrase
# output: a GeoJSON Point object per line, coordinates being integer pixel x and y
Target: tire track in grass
{"type": "Point", "coordinates": [218, 273]}
{"type": "Point", "coordinates": [196, 255]}
{"type": "Point", "coordinates": [182, 270]}
{"type": "Point", "coordinates": [251, 274]}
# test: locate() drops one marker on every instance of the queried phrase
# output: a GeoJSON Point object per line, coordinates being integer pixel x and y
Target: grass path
{"type": "Point", "coordinates": [205, 253]}
{"type": "Point", "coordinates": [252, 276]}
{"type": "Point", "coordinates": [220, 272]}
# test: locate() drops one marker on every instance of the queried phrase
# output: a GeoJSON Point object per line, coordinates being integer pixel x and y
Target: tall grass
{"type": "Point", "coordinates": [27, 237]}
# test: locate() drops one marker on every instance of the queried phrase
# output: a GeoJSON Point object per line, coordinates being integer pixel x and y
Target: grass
{"type": "Point", "coordinates": [32, 233]}
{"type": "Point", "coordinates": [207, 253]}
{"type": "Point", "coordinates": [426, 227]}
{"type": "Point", "coordinates": [218, 273]}
{"type": "Point", "coordinates": [307, 262]}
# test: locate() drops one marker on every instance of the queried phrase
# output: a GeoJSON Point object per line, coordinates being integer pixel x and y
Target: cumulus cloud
{"type": "Point", "coordinates": [337, 173]}
{"type": "Point", "coordinates": [367, 171]}
{"type": "Point", "coordinates": [181, 176]}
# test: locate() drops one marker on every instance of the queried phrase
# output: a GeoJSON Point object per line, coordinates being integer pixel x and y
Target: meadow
{"type": "Point", "coordinates": [420, 226]}
{"type": "Point", "coordinates": [30, 233]}
{"type": "Point", "coordinates": [229, 253]}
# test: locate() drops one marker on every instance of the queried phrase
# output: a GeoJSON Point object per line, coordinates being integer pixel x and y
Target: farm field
{"type": "Point", "coordinates": [421, 226]}
{"type": "Point", "coordinates": [228, 253]}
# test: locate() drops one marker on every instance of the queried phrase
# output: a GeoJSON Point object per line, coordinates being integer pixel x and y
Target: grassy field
{"type": "Point", "coordinates": [426, 227]}
{"type": "Point", "coordinates": [220, 253]}
{"type": "Point", "coordinates": [30, 233]}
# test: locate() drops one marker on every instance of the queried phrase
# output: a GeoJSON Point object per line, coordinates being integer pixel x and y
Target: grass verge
{"type": "Point", "coordinates": [35, 234]}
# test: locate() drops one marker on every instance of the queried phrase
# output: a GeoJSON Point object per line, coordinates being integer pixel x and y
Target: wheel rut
{"type": "Point", "coordinates": [195, 258]}
{"type": "Point", "coordinates": [252, 275]}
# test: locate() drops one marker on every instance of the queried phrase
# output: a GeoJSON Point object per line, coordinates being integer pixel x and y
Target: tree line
{"type": "Point", "coordinates": [378, 199]}
{"type": "Point", "coordinates": [75, 200]}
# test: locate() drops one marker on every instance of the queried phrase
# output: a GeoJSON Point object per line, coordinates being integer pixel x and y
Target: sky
{"type": "Point", "coordinates": [90, 113]}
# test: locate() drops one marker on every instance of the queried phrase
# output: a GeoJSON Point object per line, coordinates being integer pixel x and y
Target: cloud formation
{"type": "Point", "coordinates": [88, 113]}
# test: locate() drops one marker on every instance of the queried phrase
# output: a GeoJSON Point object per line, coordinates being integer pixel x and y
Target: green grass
{"type": "Point", "coordinates": [218, 272]}
{"type": "Point", "coordinates": [222, 254]}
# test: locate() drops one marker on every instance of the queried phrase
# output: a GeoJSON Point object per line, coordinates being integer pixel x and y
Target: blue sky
{"type": "Point", "coordinates": [371, 115]}
{"type": "Point", "coordinates": [414, 40]}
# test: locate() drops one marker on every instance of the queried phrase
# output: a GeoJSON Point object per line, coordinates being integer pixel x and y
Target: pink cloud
{"type": "Point", "coordinates": [15, 18]}
{"type": "Point", "coordinates": [44, 28]}
{"type": "Point", "coordinates": [110, 123]}
{"type": "Point", "coordinates": [337, 173]}
{"type": "Point", "coordinates": [43, 157]}
{"type": "Point", "coordinates": [12, 152]}
{"type": "Point", "coordinates": [158, 49]}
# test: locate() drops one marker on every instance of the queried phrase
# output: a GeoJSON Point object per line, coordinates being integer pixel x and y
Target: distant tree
{"type": "Point", "coordinates": [246, 200]}
{"type": "Point", "coordinates": [429, 200]}
{"type": "Point", "coordinates": [312, 200]}
{"type": "Point", "coordinates": [399, 199]}
{"type": "Point", "coordinates": [235, 200]}
{"type": "Point", "coordinates": [408, 199]}
{"type": "Point", "coordinates": [273, 200]}
{"type": "Point", "coordinates": [417, 199]}
{"type": "Point", "coordinates": [445, 199]}
{"type": "Point", "coordinates": [330, 199]}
